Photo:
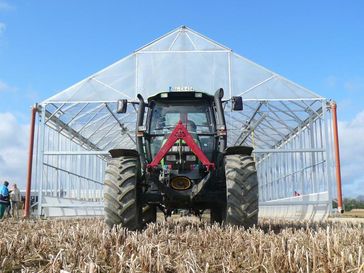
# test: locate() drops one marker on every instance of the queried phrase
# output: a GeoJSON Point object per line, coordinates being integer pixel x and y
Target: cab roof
{"type": "Point", "coordinates": [180, 95]}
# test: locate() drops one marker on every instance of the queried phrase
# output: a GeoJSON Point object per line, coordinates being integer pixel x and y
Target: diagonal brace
{"type": "Point", "coordinates": [180, 132]}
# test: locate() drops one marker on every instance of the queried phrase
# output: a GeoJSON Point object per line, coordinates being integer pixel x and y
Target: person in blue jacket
{"type": "Point", "coordinates": [4, 198]}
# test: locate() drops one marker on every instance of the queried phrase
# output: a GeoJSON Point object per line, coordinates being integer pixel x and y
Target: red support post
{"type": "Point", "coordinates": [337, 157]}
{"type": "Point", "coordinates": [30, 163]}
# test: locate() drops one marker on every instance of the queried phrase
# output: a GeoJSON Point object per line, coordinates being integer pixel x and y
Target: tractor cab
{"type": "Point", "coordinates": [195, 112]}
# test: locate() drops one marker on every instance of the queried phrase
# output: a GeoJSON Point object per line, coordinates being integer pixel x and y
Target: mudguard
{"type": "Point", "coordinates": [115, 153]}
{"type": "Point", "coordinates": [238, 150]}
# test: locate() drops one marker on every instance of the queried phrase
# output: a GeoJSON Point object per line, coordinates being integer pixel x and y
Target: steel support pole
{"type": "Point", "coordinates": [326, 156]}
{"type": "Point", "coordinates": [41, 160]}
{"type": "Point", "coordinates": [30, 162]}
{"type": "Point", "coordinates": [337, 157]}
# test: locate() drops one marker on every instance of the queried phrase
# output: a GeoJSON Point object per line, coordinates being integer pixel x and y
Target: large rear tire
{"type": "Point", "coordinates": [122, 194]}
{"type": "Point", "coordinates": [241, 191]}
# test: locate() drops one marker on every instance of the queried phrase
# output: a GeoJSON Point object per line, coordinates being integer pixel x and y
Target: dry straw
{"type": "Point", "coordinates": [185, 245]}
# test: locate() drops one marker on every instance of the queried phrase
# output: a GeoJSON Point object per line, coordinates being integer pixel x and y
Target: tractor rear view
{"type": "Point", "coordinates": [181, 161]}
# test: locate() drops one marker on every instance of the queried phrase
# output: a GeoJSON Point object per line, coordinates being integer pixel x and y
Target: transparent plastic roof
{"type": "Point", "coordinates": [183, 58]}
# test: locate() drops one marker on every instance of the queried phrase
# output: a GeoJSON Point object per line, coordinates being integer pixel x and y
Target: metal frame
{"type": "Point", "coordinates": [287, 125]}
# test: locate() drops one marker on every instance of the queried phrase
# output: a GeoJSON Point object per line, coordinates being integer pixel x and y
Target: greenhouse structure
{"type": "Point", "coordinates": [291, 128]}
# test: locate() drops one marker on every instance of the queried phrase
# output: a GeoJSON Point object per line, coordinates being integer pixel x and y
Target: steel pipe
{"type": "Point", "coordinates": [30, 162]}
{"type": "Point", "coordinates": [337, 157]}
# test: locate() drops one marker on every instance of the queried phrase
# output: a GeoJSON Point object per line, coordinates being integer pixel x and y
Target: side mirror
{"type": "Point", "coordinates": [121, 106]}
{"type": "Point", "coordinates": [237, 103]}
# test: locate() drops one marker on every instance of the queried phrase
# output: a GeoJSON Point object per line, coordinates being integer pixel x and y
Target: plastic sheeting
{"type": "Point", "coordinates": [181, 58]}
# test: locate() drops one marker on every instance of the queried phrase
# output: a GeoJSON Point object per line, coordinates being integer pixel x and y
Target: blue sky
{"type": "Point", "coordinates": [46, 46]}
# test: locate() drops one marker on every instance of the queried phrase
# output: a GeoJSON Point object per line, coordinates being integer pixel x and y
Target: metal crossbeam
{"type": "Point", "coordinates": [71, 132]}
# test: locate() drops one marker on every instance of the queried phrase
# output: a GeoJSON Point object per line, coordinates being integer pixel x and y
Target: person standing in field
{"type": "Point", "coordinates": [15, 198]}
{"type": "Point", "coordinates": [4, 198]}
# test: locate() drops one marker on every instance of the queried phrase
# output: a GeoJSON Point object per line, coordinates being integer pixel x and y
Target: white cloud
{"type": "Point", "coordinates": [13, 149]}
{"type": "Point", "coordinates": [2, 28]}
{"type": "Point", "coordinates": [3, 86]}
{"type": "Point", "coordinates": [331, 81]}
{"type": "Point", "coordinates": [351, 138]}
{"type": "Point", "coordinates": [354, 85]}
{"type": "Point", "coordinates": [4, 6]}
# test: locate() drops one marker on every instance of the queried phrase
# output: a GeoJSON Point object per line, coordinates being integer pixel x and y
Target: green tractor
{"type": "Point", "coordinates": [181, 161]}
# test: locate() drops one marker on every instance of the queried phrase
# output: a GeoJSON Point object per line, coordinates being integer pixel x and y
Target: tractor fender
{"type": "Point", "coordinates": [115, 153]}
{"type": "Point", "coordinates": [238, 150]}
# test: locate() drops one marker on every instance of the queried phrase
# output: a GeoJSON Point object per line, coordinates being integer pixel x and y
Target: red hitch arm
{"type": "Point", "coordinates": [180, 132]}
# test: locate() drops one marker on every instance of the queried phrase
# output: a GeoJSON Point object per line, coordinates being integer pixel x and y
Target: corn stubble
{"type": "Point", "coordinates": [183, 245]}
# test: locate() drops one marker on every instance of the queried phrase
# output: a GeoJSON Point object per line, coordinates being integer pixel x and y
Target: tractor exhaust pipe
{"type": "Point", "coordinates": [141, 110]}
{"type": "Point", "coordinates": [220, 119]}
{"type": "Point", "coordinates": [139, 133]}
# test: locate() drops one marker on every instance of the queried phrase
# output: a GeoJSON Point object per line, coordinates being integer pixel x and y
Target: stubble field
{"type": "Point", "coordinates": [180, 245]}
